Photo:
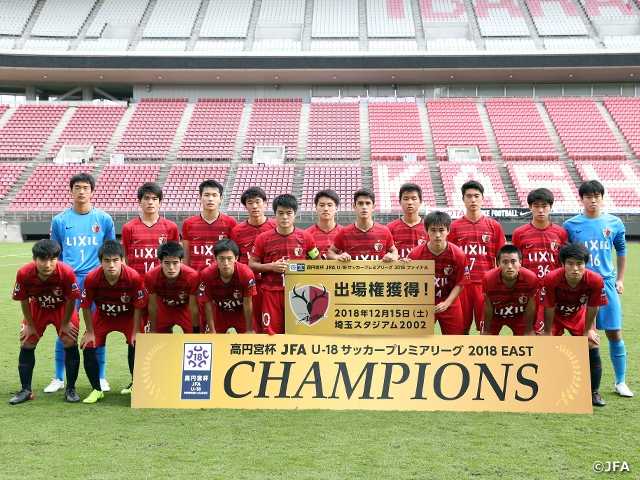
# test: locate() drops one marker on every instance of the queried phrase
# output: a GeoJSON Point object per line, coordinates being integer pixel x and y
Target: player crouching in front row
{"type": "Point", "coordinates": [117, 291]}
{"type": "Point", "coordinates": [571, 298]}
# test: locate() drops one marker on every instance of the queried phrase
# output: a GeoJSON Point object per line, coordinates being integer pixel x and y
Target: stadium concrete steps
{"type": "Point", "coordinates": [573, 173]}
{"type": "Point", "coordinates": [616, 131]}
{"type": "Point", "coordinates": [555, 138]}
{"type": "Point", "coordinates": [426, 130]}
{"type": "Point", "coordinates": [362, 19]}
{"type": "Point", "coordinates": [4, 118]}
{"type": "Point", "coordinates": [195, 33]}
{"type": "Point", "coordinates": [55, 133]}
{"type": "Point", "coordinates": [137, 36]}
{"type": "Point", "coordinates": [253, 24]}
{"type": "Point", "coordinates": [417, 20]}
{"type": "Point", "coordinates": [303, 132]}
{"type": "Point", "coordinates": [164, 173]}
{"type": "Point", "coordinates": [15, 188]}
{"type": "Point", "coordinates": [365, 137]}
{"type": "Point", "coordinates": [298, 181]}
{"type": "Point", "coordinates": [85, 27]}
{"type": "Point", "coordinates": [585, 19]}
{"type": "Point", "coordinates": [529, 21]}
{"type": "Point", "coordinates": [232, 171]}
{"type": "Point", "coordinates": [180, 131]}
{"type": "Point", "coordinates": [473, 22]}
{"type": "Point", "coordinates": [26, 33]}
{"type": "Point", "coordinates": [438, 186]}
{"type": "Point", "coordinates": [308, 26]}
{"type": "Point", "coordinates": [241, 136]}
{"type": "Point", "coordinates": [117, 134]}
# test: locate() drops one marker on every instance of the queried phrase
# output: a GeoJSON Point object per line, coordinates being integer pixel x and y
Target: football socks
{"type": "Point", "coordinates": [595, 363]}
{"type": "Point", "coordinates": [101, 352]}
{"type": "Point", "coordinates": [92, 369]}
{"type": "Point", "coordinates": [619, 359]}
{"type": "Point", "coordinates": [26, 362]}
{"type": "Point", "coordinates": [58, 359]}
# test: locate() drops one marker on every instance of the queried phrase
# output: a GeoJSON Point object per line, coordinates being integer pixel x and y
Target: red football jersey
{"type": "Point", "coordinates": [203, 236]}
{"type": "Point", "coordinates": [407, 238]}
{"type": "Point", "coordinates": [117, 300]}
{"type": "Point", "coordinates": [245, 235]}
{"type": "Point", "coordinates": [271, 246]}
{"type": "Point", "coordinates": [480, 241]}
{"type": "Point", "coordinates": [324, 239]}
{"type": "Point", "coordinates": [509, 303]}
{"type": "Point", "coordinates": [227, 296]}
{"type": "Point", "coordinates": [141, 242]}
{"type": "Point", "coordinates": [451, 266]}
{"type": "Point", "coordinates": [52, 293]}
{"type": "Point", "coordinates": [370, 245]}
{"type": "Point", "coordinates": [540, 247]}
{"type": "Point", "coordinates": [569, 301]}
{"type": "Point", "coordinates": [173, 295]}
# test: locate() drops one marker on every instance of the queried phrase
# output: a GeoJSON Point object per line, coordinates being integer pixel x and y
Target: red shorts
{"type": "Point", "coordinates": [575, 324]}
{"type": "Point", "coordinates": [472, 303]}
{"type": "Point", "coordinates": [451, 320]}
{"type": "Point", "coordinates": [223, 320]}
{"type": "Point", "coordinates": [102, 326]}
{"type": "Point", "coordinates": [43, 317]}
{"type": "Point", "coordinates": [517, 326]}
{"type": "Point", "coordinates": [256, 301]}
{"type": "Point", "coordinates": [169, 316]}
{"type": "Point", "coordinates": [272, 311]}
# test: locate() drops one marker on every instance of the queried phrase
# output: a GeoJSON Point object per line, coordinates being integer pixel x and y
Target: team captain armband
{"type": "Point", "coordinates": [313, 253]}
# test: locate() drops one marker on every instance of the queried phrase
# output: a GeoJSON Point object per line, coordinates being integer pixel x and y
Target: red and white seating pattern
{"type": "Point", "coordinates": [519, 129]}
{"type": "Point", "coordinates": [47, 189]}
{"type": "Point", "coordinates": [90, 125]}
{"type": "Point", "coordinates": [9, 174]}
{"type": "Point", "coordinates": [528, 176]}
{"type": "Point", "coordinates": [344, 179]}
{"type": "Point", "coordinates": [621, 181]}
{"type": "Point", "coordinates": [456, 123]}
{"type": "Point", "coordinates": [28, 129]}
{"type": "Point", "coordinates": [390, 19]}
{"type": "Point", "coordinates": [556, 17]}
{"type": "Point", "coordinates": [443, 11]}
{"type": "Point", "coordinates": [151, 129]}
{"type": "Point", "coordinates": [334, 131]}
{"type": "Point", "coordinates": [212, 129]}
{"type": "Point", "coordinates": [395, 130]}
{"type": "Point", "coordinates": [273, 179]}
{"type": "Point", "coordinates": [274, 122]}
{"type": "Point", "coordinates": [181, 192]}
{"type": "Point", "coordinates": [583, 130]}
{"type": "Point", "coordinates": [117, 186]}
{"type": "Point", "coordinates": [626, 113]}
{"type": "Point", "coordinates": [388, 177]}
{"type": "Point", "coordinates": [608, 10]}
{"type": "Point", "coordinates": [500, 18]}
{"type": "Point", "coordinates": [3, 108]}
{"type": "Point", "coordinates": [455, 174]}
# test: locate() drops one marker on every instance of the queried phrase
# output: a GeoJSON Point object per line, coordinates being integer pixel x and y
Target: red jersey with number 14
{"type": "Point", "coordinates": [324, 239]}
{"type": "Point", "coordinates": [370, 245]}
{"type": "Point", "coordinates": [405, 237]}
{"type": "Point", "coordinates": [540, 247]}
{"type": "Point", "coordinates": [569, 301]}
{"type": "Point", "coordinates": [141, 242]}
{"type": "Point", "coordinates": [509, 303]}
{"type": "Point", "coordinates": [480, 241]}
{"type": "Point", "coordinates": [450, 268]}
{"type": "Point", "coordinates": [203, 236]}
{"type": "Point", "coordinates": [113, 301]}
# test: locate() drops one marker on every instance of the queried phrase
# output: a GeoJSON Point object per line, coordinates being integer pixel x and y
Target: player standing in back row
{"type": "Point", "coordinates": [408, 231]}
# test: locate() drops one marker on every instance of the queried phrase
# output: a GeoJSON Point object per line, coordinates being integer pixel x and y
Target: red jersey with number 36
{"type": "Point", "coordinates": [510, 303]}
{"type": "Point", "coordinates": [569, 301]}
{"type": "Point", "coordinates": [203, 236]}
{"type": "Point", "coordinates": [540, 247]}
{"type": "Point", "coordinates": [141, 242]}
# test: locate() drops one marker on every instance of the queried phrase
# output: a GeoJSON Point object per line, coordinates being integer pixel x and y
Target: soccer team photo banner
{"type": "Point", "coordinates": [457, 373]}
{"type": "Point", "coordinates": [359, 298]}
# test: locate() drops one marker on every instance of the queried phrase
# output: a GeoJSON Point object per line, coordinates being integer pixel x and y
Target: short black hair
{"type": "Point", "coordinates": [82, 178]}
{"type": "Point", "coordinates": [540, 195]}
{"type": "Point", "coordinates": [410, 187]}
{"type": "Point", "coordinates": [327, 193]}
{"type": "Point", "coordinates": [472, 184]}
{"type": "Point", "coordinates": [152, 188]}
{"type": "Point", "coordinates": [110, 248]}
{"type": "Point", "coordinates": [437, 218]}
{"type": "Point", "coordinates": [507, 250]}
{"type": "Point", "coordinates": [251, 193]}
{"type": "Point", "coordinates": [46, 249]}
{"type": "Point", "coordinates": [364, 192]}
{"type": "Point", "coordinates": [210, 184]}
{"type": "Point", "coordinates": [591, 187]}
{"type": "Point", "coordinates": [574, 250]}
{"type": "Point", "coordinates": [170, 249]}
{"type": "Point", "coordinates": [285, 200]}
{"type": "Point", "coordinates": [224, 245]}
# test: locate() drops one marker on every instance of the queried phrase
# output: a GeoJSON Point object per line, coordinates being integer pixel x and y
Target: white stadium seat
{"type": "Point", "coordinates": [104, 45]}
{"type": "Point", "coordinates": [282, 11]}
{"type": "Point", "coordinates": [62, 18]}
{"type": "Point", "coordinates": [171, 19]}
{"type": "Point", "coordinates": [390, 19]}
{"type": "Point", "coordinates": [500, 18]}
{"type": "Point", "coordinates": [556, 17]}
{"type": "Point", "coordinates": [117, 11]}
{"type": "Point", "coordinates": [219, 46]}
{"type": "Point", "coordinates": [14, 15]}
{"type": "Point", "coordinates": [335, 18]}
{"type": "Point", "coordinates": [225, 19]}
{"type": "Point", "coordinates": [161, 46]}
{"type": "Point", "coordinates": [41, 44]}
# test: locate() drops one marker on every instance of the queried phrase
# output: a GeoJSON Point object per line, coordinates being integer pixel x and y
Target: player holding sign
{"type": "Point", "coordinates": [571, 298]}
{"type": "Point", "coordinates": [408, 231]}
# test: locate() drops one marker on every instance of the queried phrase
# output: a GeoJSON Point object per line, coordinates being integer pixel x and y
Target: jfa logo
{"type": "Point", "coordinates": [197, 356]}
{"type": "Point", "coordinates": [309, 303]}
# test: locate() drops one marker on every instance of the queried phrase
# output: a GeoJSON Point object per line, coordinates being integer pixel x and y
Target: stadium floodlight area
{"type": "Point", "coordinates": [225, 19]}
{"type": "Point", "coordinates": [334, 131]}
{"type": "Point", "coordinates": [335, 45]}
{"type": "Point", "coordinates": [36, 44]}
{"type": "Point", "coordinates": [14, 15]}
{"type": "Point", "coordinates": [171, 19]}
{"type": "Point", "coordinates": [62, 18]}
{"type": "Point", "coordinates": [117, 12]}
{"type": "Point", "coordinates": [104, 45]}
{"type": "Point", "coordinates": [455, 174]}
{"type": "Point", "coordinates": [502, 18]}
{"type": "Point", "coordinates": [621, 181]}
{"type": "Point", "coordinates": [528, 176]}
{"type": "Point", "coordinates": [343, 178]}
{"type": "Point", "coordinates": [390, 19]}
{"type": "Point", "coordinates": [180, 191]}
{"type": "Point", "coordinates": [395, 131]}
{"type": "Point", "coordinates": [556, 17]}
{"type": "Point", "coordinates": [626, 113]}
{"type": "Point", "coordinates": [389, 176]}
{"type": "Point", "coordinates": [451, 44]}
{"type": "Point", "coordinates": [335, 18]}
{"type": "Point", "coordinates": [161, 46]}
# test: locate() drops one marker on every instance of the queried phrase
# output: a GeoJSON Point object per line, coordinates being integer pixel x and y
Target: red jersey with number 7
{"type": "Point", "coordinates": [480, 241]}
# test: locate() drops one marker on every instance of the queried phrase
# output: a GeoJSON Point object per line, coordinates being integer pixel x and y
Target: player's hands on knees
{"type": "Point", "coordinates": [87, 339]}
{"type": "Point", "coordinates": [26, 333]}
{"type": "Point", "coordinates": [593, 337]}
{"type": "Point", "coordinates": [70, 329]}
{"type": "Point", "coordinates": [620, 286]}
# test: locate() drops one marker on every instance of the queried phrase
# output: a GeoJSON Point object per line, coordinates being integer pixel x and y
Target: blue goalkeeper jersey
{"type": "Point", "coordinates": [80, 236]}
{"type": "Point", "coordinates": [600, 235]}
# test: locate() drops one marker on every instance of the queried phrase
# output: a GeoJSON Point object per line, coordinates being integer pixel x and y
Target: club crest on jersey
{"type": "Point", "coordinates": [377, 246]}
{"type": "Point", "coordinates": [298, 251]}
{"type": "Point", "coordinates": [162, 240]}
{"type": "Point", "coordinates": [183, 295]}
{"type": "Point", "coordinates": [309, 303]}
{"type": "Point", "coordinates": [486, 238]}
{"type": "Point", "coordinates": [201, 287]}
{"type": "Point", "coordinates": [17, 287]}
{"type": "Point", "coordinates": [95, 228]}
{"type": "Point", "coordinates": [554, 246]}
{"type": "Point", "coordinates": [237, 294]}
{"type": "Point", "coordinates": [84, 293]}
{"type": "Point", "coordinates": [421, 241]}
{"type": "Point", "coordinates": [140, 295]}
{"type": "Point", "coordinates": [57, 292]}
{"type": "Point", "coordinates": [74, 287]}
{"type": "Point", "coordinates": [448, 270]}
{"type": "Point", "coordinates": [222, 236]}
{"type": "Point", "coordinates": [125, 298]}
{"type": "Point", "coordinates": [583, 299]}
{"type": "Point", "coordinates": [606, 232]}
{"type": "Point", "coordinates": [523, 299]}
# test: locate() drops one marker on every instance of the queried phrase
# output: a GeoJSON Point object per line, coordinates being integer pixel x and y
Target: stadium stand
{"type": "Point", "coordinates": [104, 45]}
{"type": "Point", "coordinates": [47, 189]}
{"type": "Point", "coordinates": [277, 45]}
{"type": "Point", "coordinates": [212, 129]}
{"type": "Point", "coordinates": [335, 18]}
{"type": "Point", "coordinates": [90, 125]}
{"type": "Point", "coordinates": [621, 181]}
{"type": "Point", "coordinates": [274, 122]}
{"type": "Point", "coordinates": [117, 186]}
{"type": "Point", "coordinates": [9, 174]}
{"type": "Point", "coordinates": [451, 44]}
{"type": "Point", "coordinates": [225, 19]}
{"type": "Point", "coordinates": [502, 18]}
{"type": "Point", "coordinates": [172, 19]}
{"type": "Point", "coordinates": [598, 10]}
{"type": "Point", "coordinates": [569, 44]}
{"type": "Point", "coordinates": [456, 123]}
{"type": "Point", "coordinates": [274, 180]}
{"type": "Point", "coordinates": [626, 113]}
{"type": "Point", "coordinates": [3, 108]}
{"type": "Point", "coordinates": [335, 45]}
{"type": "Point", "coordinates": [14, 16]}
{"type": "Point", "coordinates": [393, 45]}
{"type": "Point", "coordinates": [7, 43]}
{"type": "Point", "coordinates": [27, 130]}
{"type": "Point", "coordinates": [334, 131]}
{"type": "Point", "coordinates": [395, 130]}
{"type": "Point", "coordinates": [509, 44]}
{"type": "Point", "coordinates": [442, 11]}
{"type": "Point", "coordinates": [622, 41]}
{"type": "Point", "coordinates": [582, 129]}
{"type": "Point", "coordinates": [45, 44]}
{"type": "Point", "coordinates": [62, 18]}
{"type": "Point", "coordinates": [219, 46]}
{"type": "Point", "coordinates": [519, 130]}
{"type": "Point", "coordinates": [161, 46]}
{"type": "Point", "coordinates": [527, 176]}
{"type": "Point", "coordinates": [556, 17]}
{"type": "Point", "coordinates": [180, 190]}
{"type": "Point", "coordinates": [282, 11]}
{"type": "Point", "coordinates": [454, 174]}
{"type": "Point", "coordinates": [151, 129]}
{"type": "Point", "coordinates": [344, 179]}
{"type": "Point", "coordinates": [390, 19]}
{"type": "Point", "coordinates": [117, 12]}
{"type": "Point", "coordinates": [388, 177]}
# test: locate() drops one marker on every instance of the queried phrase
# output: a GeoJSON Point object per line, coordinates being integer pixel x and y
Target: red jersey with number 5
{"type": "Point", "coordinates": [480, 241]}
{"type": "Point", "coordinates": [540, 247]}
{"type": "Point", "coordinates": [203, 236]}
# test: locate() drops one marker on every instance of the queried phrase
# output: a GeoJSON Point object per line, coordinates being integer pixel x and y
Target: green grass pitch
{"type": "Point", "coordinates": [47, 438]}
